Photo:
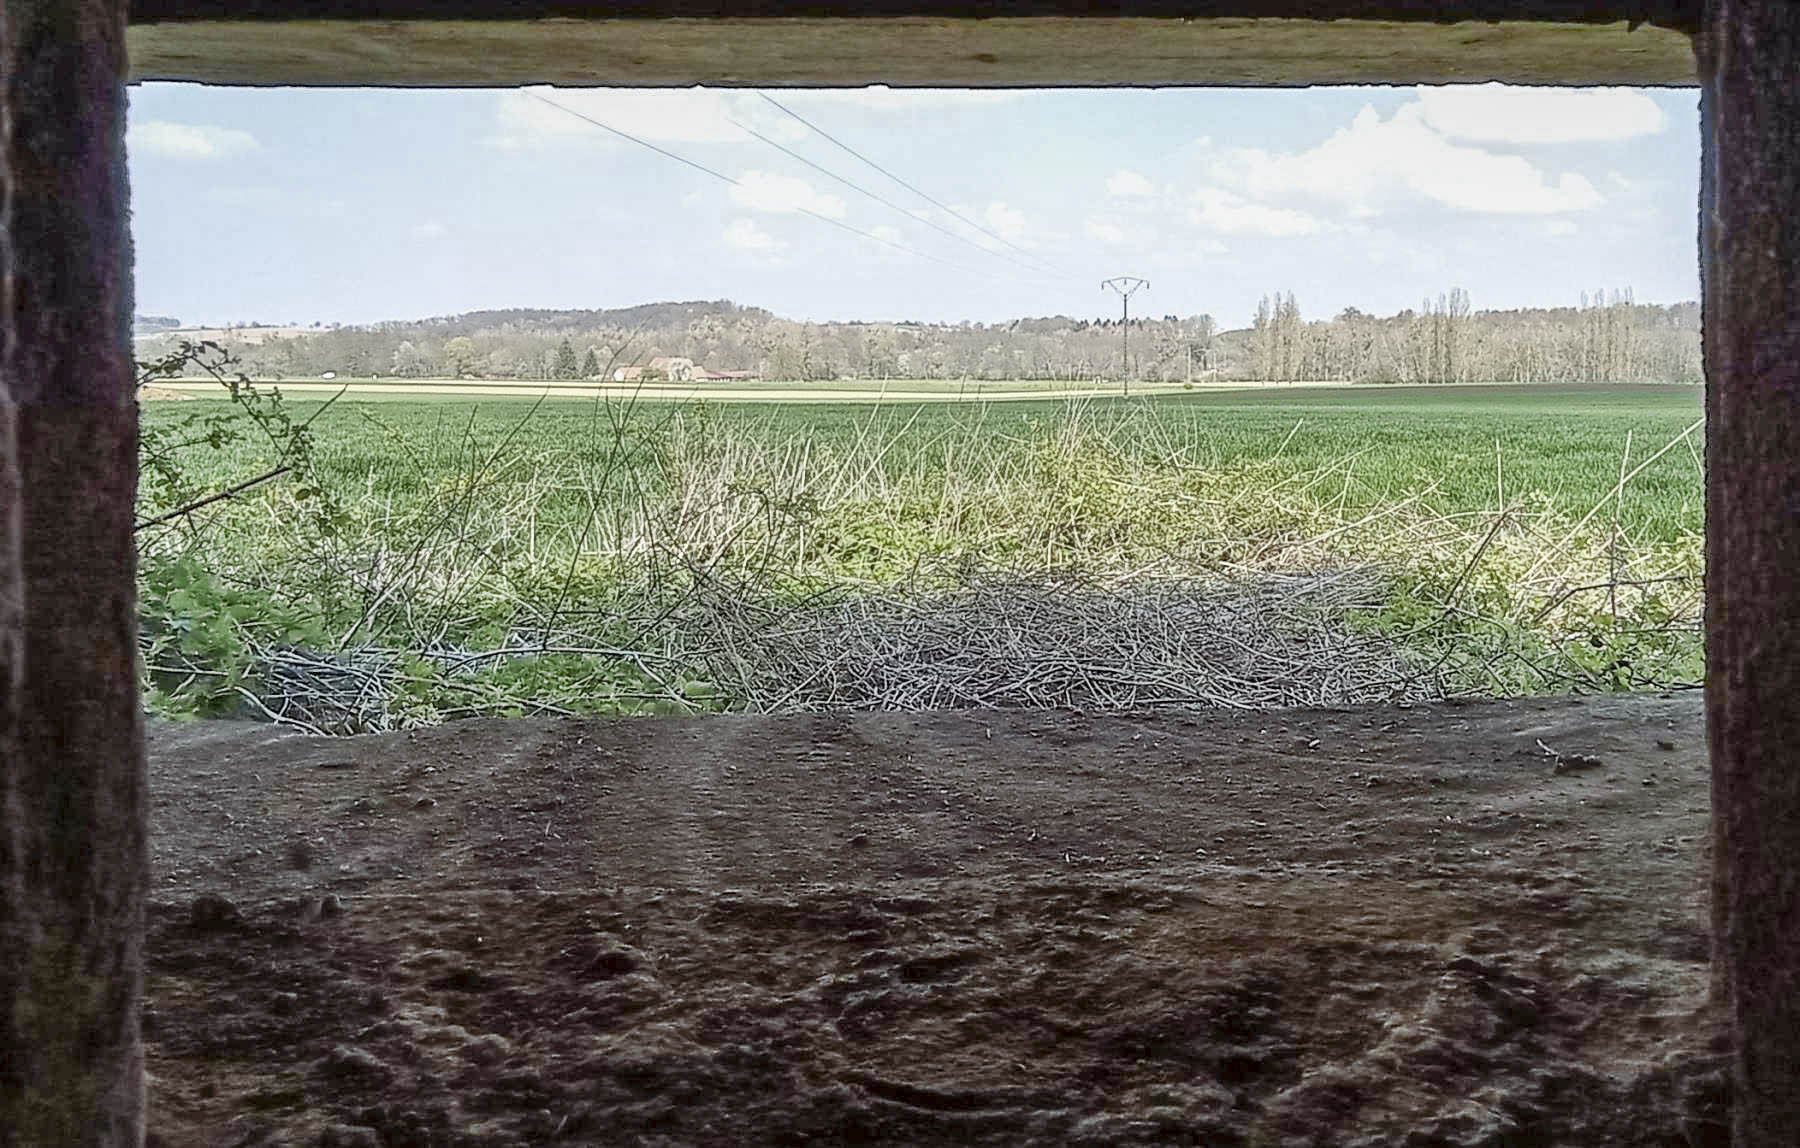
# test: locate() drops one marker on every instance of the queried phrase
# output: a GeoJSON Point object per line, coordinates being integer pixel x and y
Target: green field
{"type": "Point", "coordinates": [1526, 538]}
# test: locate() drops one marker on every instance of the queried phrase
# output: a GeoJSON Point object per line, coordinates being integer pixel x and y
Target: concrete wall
{"type": "Point", "coordinates": [72, 802]}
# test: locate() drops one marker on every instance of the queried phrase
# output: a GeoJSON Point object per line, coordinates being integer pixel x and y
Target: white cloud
{"type": "Point", "coordinates": [1508, 185]}
{"type": "Point", "coordinates": [1147, 237]}
{"type": "Point", "coordinates": [1496, 113]}
{"type": "Point", "coordinates": [1561, 227]}
{"type": "Point", "coordinates": [782, 194]}
{"type": "Point", "coordinates": [882, 250]}
{"type": "Point", "coordinates": [744, 235]}
{"type": "Point", "coordinates": [1129, 185]}
{"type": "Point", "coordinates": [1216, 209]}
{"type": "Point", "coordinates": [1106, 231]}
{"type": "Point", "coordinates": [430, 229]}
{"type": "Point", "coordinates": [1007, 222]}
{"type": "Point", "coordinates": [187, 141]}
{"type": "Point", "coordinates": [1374, 163]}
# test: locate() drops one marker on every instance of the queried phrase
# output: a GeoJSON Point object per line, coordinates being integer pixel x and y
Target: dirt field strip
{"type": "Point", "coordinates": [1467, 925]}
{"type": "Point", "coordinates": [530, 390]}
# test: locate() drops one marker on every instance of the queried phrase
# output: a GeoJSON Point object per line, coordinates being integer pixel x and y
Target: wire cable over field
{"type": "Point", "coordinates": [890, 204]}
{"type": "Point", "coordinates": [700, 167]}
{"type": "Point", "coordinates": [935, 202]}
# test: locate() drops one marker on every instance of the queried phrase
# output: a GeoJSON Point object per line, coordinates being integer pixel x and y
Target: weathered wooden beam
{"type": "Point", "coordinates": [1750, 276]}
{"type": "Point", "coordinates": [1675, 13]}
{"type": "Point", "coordinates": [74, 863]}
{"type": "Point", "coordinates": [920, 44]}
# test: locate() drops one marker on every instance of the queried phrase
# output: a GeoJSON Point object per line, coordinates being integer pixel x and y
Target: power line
{"type": "Point", "coordinates": [1126, 286]}
{"type": "Point", "coordinates": [838, 223]}
{"type": "Point", "coordinates": [885, 202]}
{"type": "Point", "coordinates": [922, 195]}
{"type": "Point", "coordinates": [634, 139]}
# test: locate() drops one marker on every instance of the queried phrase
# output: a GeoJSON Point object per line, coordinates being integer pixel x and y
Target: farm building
{"type": "Point", "coordinates": [673, 368]}
{"type": "Point", "coordinates": [677, 370]}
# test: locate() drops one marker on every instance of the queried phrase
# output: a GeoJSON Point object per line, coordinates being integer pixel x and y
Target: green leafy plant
{"type": "Point", "coordinates": [198, 634]}
{"type": "Point", "coordinates": [193, 624]}
{"type": "Point", "coordinates": [169, 482]}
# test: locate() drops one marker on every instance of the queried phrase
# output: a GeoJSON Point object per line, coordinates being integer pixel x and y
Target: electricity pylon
{"type": "Point", "coordinates": [1126, 286]}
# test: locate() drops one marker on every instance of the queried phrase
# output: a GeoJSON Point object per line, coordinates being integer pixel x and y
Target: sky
{"type": "Point", "coordinates": [360, 205]}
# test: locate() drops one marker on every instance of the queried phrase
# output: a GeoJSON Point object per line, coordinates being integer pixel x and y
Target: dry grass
{"type": "Point", "coordinates": [668, 563]}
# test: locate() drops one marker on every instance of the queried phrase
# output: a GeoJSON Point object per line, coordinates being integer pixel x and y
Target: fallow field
{"type": "Point", "coordinates": [445, 557]}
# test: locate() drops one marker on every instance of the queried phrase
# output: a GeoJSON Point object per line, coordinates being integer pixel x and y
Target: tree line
{"type": "Point", "coordinates": [1607, 338]}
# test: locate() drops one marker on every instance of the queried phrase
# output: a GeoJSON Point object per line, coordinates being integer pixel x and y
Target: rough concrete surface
{"type": "Point", "coordinates": [1472, 924]}
{"type": "Point", "coordinates": [73, 808]}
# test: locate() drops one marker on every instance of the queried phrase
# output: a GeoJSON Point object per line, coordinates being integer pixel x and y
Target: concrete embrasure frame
{"type": "Point", "coordinates": [73, 808]}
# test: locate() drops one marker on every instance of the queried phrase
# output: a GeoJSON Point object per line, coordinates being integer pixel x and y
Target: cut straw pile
{"type": "Point", "coordinates": [324, 693]}
{"type": "Point", "coordinates": [1011, 642]}
{"type": "Point", "coordinates": [1000, 641]}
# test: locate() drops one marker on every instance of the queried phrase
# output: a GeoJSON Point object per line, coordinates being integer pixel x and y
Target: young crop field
{"type": "Point", "coordinates": [440, 558]}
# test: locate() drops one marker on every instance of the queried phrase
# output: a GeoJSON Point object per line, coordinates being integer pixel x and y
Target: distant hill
{"type": "Point", "coordinates": [1611, 340]}
{"type": "Point", "coordinates": [659, 316]}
